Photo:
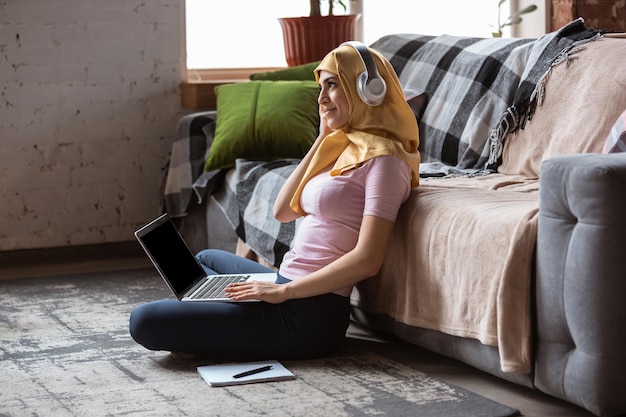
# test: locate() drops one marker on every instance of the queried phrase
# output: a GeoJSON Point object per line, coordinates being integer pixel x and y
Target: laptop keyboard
{"type": "Point", "coordinates": [214, 288]}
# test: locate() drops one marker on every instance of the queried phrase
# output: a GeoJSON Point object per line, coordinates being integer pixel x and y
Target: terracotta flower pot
{"type": "Point", "coordinates": [310, 38]}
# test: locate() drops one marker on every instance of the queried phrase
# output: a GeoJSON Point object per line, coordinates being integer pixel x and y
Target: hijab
{"type": "Point", "coordinates": [387, 129]}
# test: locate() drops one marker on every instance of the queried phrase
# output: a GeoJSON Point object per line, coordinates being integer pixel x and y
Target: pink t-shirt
{"type": "Point", "coordinates": [336, 206]}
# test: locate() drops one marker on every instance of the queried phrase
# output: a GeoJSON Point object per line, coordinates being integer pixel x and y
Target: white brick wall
{"type": "Point", "coordinates": [89, 100]}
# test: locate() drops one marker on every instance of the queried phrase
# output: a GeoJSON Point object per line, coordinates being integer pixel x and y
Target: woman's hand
{"type": "Point", "coordinates": [282, 211]}
{"type": "Point", "coordinates": [256, 290]}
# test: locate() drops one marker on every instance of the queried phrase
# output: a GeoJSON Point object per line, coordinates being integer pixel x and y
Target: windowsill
{"type": "Point", "coordinates": [198, 91]}
{"type": "Point", "coordinates": [200, 95]}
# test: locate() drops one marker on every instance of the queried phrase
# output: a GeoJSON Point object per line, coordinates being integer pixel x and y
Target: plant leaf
{"type": "Point", "coordinates": [512, 21]}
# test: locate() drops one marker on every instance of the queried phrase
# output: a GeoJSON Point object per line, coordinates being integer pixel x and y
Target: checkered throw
{"type": "Point", "coordinates": [247, 200]}
{"type": "Point", "coordinates": [616, 141]}
{"type": "Point", "coordinates": [548, 51]}
{"type": "Point", "coordinates": [470, 82]}
{"type": "Point", "coordinates": [192, 141]}
{"type": "Point", "coordinates": [479, 89]}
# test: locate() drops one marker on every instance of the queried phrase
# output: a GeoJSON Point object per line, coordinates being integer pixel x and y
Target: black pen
{"type": "Point", "coordinates": [253, 371]}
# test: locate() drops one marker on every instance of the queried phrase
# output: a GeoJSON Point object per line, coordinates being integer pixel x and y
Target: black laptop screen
{"type": "Point", "coordinates": [172, 256]}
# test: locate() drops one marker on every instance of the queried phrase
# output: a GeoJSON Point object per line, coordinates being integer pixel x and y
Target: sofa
{"type": "Point", "coordinates": [509, 256]}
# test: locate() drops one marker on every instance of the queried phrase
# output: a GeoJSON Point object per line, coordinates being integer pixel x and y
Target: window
{"type": "Point", "coordinates": [455, 17]}
{"type": "Point", "coordinates": [229, 40]}
{"type": "Point", "coordinates": [237, 33]}
{"type": "Point", "coordinates": [246, 33]}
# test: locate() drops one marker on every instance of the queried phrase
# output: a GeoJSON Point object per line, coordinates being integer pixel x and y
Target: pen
{"type": "Point", "coordinates": [253, 371]}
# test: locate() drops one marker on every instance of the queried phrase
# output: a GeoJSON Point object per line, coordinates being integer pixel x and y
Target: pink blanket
{"type": "Point", "coordinates": [460, 263]}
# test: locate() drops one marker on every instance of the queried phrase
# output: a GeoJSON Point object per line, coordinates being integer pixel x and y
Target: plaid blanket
{"type": "Point", "coordinates": [616, 141]}
{"type": "Point", "coordinates": [245, 194]}
{"type": "Point", "coordinates": [247, 199]}
{"type": "Point", "coordinates": [479, 89]}
{"type": "Point", "coordinates": [191, 143]}
{"type": "Point", "coordinates": [469, 81]}
{"type": "Point", "coordinates": [548, 51]}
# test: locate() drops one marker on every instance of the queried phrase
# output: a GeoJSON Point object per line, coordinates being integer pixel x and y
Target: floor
{"type": "Point", "coordinates": [530, 402]}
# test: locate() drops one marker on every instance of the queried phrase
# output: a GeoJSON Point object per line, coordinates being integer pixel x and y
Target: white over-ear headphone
{"type": "Point", "coordinates": [369, 84]}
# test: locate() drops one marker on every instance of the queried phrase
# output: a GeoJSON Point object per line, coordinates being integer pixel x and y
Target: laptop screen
{"type": "Point", "coordinates": [170, 254]}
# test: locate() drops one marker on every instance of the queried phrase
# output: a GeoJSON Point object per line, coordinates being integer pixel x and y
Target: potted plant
{"type": "Point", "coordinates": [309, 38]}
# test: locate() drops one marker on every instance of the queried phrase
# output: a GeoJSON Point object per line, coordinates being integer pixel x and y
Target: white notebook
{"type": "Point", "coordinates": [237, 373]}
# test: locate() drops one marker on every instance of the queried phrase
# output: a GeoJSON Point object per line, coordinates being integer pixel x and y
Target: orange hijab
{"type": "Point", "coordinates": [387, 129]}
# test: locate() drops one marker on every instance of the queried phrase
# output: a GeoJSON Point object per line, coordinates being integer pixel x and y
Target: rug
{"type": "Point", "coordinates": [65, 351]}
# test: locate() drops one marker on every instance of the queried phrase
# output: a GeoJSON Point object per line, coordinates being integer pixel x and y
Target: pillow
{"type": "Point", "coordinates": [580, 106]}
{"type": "Point", "coordinates": [263, 120]}
{"type": "Point", "coordinates": [301, 72]}
{"type": "Point", "coordinates": [616, 142]}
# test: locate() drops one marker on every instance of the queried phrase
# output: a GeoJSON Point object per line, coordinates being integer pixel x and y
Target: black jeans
{"type": "Point", "coordinates": [295, 329]}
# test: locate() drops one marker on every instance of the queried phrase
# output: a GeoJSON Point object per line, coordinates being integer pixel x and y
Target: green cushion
{"type": "Point", "coordinates": [301, 72]}
{"type": "Point", "coordinates": [263, 120]}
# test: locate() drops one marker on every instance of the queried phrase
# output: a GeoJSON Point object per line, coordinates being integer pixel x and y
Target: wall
{"type": "Point", "coordinates": [534, 24]}
{"type": "Point", "coordinates": [598, 14]}
{"type": "Point", "coordinates": [89, 101]}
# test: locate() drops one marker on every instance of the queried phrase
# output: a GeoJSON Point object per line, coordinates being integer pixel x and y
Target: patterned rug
{"type": "Point", "coordinates": [65, 351]}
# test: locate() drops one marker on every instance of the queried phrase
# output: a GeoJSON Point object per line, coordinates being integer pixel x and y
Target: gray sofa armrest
{"type": "Point", "coordinates": [581, 281]}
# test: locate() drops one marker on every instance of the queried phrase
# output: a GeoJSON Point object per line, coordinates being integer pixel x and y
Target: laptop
{"type": "Point", "coordinates": [180, 269]}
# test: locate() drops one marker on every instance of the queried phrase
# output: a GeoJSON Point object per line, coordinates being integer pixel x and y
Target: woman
{"type": "Point", "coordinates": [349, 188]}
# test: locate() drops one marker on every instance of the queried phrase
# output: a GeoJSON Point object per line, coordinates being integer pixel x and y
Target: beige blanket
{"type": "Point", "coordinates": [462, 252]}
{"type": "Point", "coordinates": [460, 263]}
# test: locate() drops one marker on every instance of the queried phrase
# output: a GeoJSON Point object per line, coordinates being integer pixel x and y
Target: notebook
{"type": "Point", "coordinates": [244, 373]}
{"type": "Point", "coordinates": [180, 269]}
